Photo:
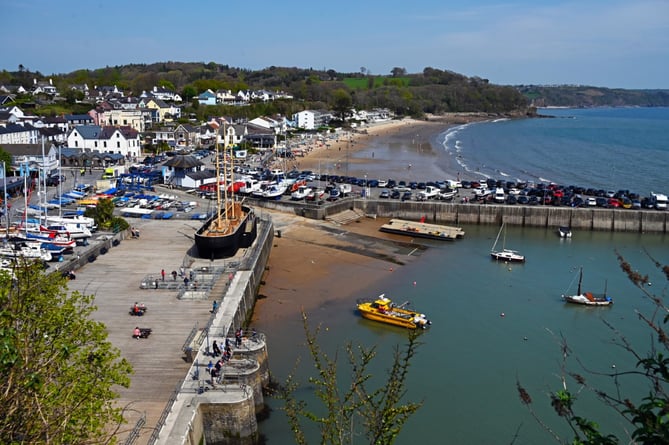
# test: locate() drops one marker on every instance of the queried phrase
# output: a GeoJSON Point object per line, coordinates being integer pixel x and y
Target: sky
{"type": "Point", "coordinates": [603, 43]}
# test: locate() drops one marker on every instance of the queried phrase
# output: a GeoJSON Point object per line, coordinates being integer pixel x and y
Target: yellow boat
{"type": "Point", "coordinates": [385, 311]}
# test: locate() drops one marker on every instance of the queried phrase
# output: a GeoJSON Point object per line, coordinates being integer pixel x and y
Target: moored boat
{"type": "Point", "coordinates": [505, 254]}
{"type": "Point", "coordinates": [564, 232]}
{"type": "Point", "coordinates": [385, 311]}
{"type": "Point", "coordinates": [232, 227]}
{"type": "Point", "coordinates": [587, 298]}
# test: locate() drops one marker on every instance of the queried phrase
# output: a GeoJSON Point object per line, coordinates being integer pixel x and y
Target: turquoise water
{"type": "Point", "coordinates": [467, 367]}
{"type": "Point", "coordinates": [608, 148]}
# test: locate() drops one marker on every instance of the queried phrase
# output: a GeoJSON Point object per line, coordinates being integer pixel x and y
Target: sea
{"type": "Point", "coordinates": [496, 326]}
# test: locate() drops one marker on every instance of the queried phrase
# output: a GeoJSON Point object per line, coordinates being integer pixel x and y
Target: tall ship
{"type": "Point", "coordinates": [233, 225]}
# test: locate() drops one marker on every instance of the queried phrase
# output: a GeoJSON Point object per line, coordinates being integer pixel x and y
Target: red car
{"type": "Point", "coordinates": [613, 202]}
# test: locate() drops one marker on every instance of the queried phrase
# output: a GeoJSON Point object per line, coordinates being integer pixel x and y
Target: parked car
{"type": "Point", "coordinates": [395, 194]}
{"type": "Point", "coordinates": [385, 194]}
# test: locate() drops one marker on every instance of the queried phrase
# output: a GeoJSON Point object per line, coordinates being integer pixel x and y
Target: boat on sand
{"type": "Point", "coordinates": [385, 311]}
{"type": "Point", "coordinates": [232, 227]}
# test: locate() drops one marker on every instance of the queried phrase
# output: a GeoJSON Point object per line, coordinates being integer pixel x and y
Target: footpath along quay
{"type": "Point", "coordinates": [171, 397]}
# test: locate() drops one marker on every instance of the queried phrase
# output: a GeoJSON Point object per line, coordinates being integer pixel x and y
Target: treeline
{"type": "Point", "coordinates": [432, 91]}
{"type": "Point", "coordinates": [588, 96]}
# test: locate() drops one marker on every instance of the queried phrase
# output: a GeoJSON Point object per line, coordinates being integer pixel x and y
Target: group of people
{"type": "Point", "coordinates": [226, 354]}
{"type": "Point", "coordinates": [138, 309]}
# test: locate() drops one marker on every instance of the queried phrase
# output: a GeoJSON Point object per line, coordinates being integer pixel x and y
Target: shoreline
{"type": "Point", "coordinates": [361, 150]}
{"type": "Point", "coordinates": [311, 263]}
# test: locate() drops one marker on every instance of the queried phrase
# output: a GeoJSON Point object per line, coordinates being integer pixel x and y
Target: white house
{"type": "Point", "coordinates": [121, 140]}
{"type": "Point", "coordinates": [310, 119]}
{"type": "Point", "coordinates": [37, 157]}
{"type": "Point", "coordinates": [19, 133]}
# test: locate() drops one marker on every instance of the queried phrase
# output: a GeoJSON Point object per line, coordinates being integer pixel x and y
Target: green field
{"type": "Point", "coordinates": [362, 83]}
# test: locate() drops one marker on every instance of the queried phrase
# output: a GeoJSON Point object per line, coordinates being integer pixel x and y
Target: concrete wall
{"type": "Point", "coordinates": [229, 424]}
{"type": "Point", "coordinates": [619, 220]}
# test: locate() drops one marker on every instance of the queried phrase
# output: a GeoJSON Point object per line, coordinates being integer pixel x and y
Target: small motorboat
{"type": "Point", "coordinates": [385, 311]}
{"type": "Point", "coordinates": [564, 232]}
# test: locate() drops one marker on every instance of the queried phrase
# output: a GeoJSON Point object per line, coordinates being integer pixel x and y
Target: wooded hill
{"type": "Point", "coordinates": [587, 96]}
{"type": "Point", "coordinates": [432, 91]}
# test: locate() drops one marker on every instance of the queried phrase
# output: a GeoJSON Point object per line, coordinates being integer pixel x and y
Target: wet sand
{"type": "Point", "coordinates": [314, 262]}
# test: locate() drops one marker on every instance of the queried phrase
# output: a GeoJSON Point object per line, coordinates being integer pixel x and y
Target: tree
{"type": "Point", "coordinates": [5, 157]}
{"type": "Point", "coordinates": [103, 214]}
{"type": "Point", "coordinates": [378, 412]}
{"type": "Point", "coordinates": [397, 72]}
{"type": "Point", "coordinates": [649, 418]}
{"type": "Point", "coordinates": [341, 103]}
{"type": "Point", "coordinates": [57, 367]}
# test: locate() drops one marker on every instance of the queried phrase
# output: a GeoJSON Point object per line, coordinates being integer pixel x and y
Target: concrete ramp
{"type": "Point", "coordinates": [345, 217]}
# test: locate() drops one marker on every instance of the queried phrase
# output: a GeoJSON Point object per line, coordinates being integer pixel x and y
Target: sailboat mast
{"type": "Point", "coordinates": [218, 185]}
{"type": "Point", "coordinates": [580, 278]}
{"type": "Point", "coordinates": [4, 186]}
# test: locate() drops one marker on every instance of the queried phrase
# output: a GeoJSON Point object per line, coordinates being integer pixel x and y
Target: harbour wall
{"type": "Point", "coordinates": [617, 220]}
{"type": "Point", "coordinates": [226, 414]}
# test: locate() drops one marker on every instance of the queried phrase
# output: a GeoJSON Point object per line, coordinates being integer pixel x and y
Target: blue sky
{"type": "Point", "coordinates": [608, 43]}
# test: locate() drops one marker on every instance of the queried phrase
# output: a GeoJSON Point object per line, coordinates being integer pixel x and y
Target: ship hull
{"type": "Point", "coordinates": [226, 245]}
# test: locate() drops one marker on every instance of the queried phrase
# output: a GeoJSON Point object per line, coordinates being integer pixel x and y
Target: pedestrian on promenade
{"type": "Point", "coordinates": [162, 274]}
{"type": "Point", "coordinates": [216, 349]}
{"type": "Point", "coordinates": [174, 275]}
{"type": "Point", "coordinates": [186, 281]}
{"type": "Point", "coordinates": [214, 306]}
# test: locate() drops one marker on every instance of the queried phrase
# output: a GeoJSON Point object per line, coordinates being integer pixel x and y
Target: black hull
{"type": "Point", "coordinates": [226, 246]}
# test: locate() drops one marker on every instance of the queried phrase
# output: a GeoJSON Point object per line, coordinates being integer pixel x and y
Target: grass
{"type": "Point", "coordinates": [362, 83]}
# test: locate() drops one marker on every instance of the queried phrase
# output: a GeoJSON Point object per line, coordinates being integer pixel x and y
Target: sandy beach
{"type": "Point", "coordinates": [314, 262]}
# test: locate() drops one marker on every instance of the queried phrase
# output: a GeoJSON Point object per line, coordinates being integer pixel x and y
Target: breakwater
{"type": "Point", "coordinates": [438, 212]}
{"type": "Point", "coordinates": [224, 412]}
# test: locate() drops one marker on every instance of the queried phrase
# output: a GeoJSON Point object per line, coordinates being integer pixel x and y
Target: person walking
{"type": "Point", "coordinates": [162, 273]}
{"type": "Point", "coordinates": [174, 275]}
{"type": "Point", "coordinates": [216, 350]}
{"type": "Point", "coordinates": [214, 306]}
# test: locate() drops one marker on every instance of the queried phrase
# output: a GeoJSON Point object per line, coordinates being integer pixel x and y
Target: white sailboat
{"type": "Point", "coordinates": [505, 254]}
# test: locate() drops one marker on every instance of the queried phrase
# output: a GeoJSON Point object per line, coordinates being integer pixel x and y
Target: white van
{"type": "Point", "coordinates": [499, 197]}
{"type": "Point", "coordinates": [659, 201]}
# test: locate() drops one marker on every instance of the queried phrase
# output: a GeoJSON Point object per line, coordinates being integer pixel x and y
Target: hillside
{"type": "Point", "coordinates": [432, 91]}
{"type": "Point", "coordinates": [588, 96]}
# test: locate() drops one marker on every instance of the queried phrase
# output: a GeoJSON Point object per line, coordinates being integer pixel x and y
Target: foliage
{"type": "Point", "coordinates": [5, 157]}
{"type": "Point", "coordinates": [649, 418]}
{"type": "Point", "coordinates": [103, 213]}
{"type": "Point", "coordinates": [379, 413]}
{"type": "Point", "coordinates": [57, 368]}
{"type": "Point", "coordinates": [404, 93]}
{"type": "Point", "coordinates": [588, 96]}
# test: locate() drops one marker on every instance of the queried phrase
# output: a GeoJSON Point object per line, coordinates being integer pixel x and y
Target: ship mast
{"type": "Point", "coordinates": [218, 185]}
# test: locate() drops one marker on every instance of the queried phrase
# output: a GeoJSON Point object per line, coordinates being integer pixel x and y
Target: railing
{"type": "Point", "coordinates": [134, 434]}
{"type": "Point", "coordinates": [163, 416]}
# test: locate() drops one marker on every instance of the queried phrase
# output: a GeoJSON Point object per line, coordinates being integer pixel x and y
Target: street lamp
{"type": "Point", "coordinates": [366, 190]}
